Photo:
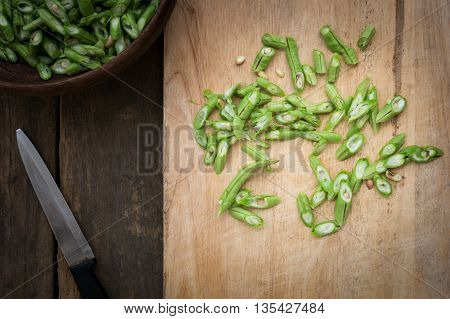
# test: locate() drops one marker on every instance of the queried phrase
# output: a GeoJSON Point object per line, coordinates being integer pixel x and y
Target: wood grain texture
{"type": "Point", "coordinates": [118, 208]}
{"type": "Point", "coordinates": [389, 248]}
{"type": "Point", "coordinates": [27, 245]}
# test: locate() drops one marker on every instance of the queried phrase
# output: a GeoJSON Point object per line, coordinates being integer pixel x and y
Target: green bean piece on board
{"type": "Point", "coordinates": [358, 174]}
{"type": "Point", "coordinates": [392, 146]}
{"type": "Point", "coordinates": [221, 156]}
{"type": "Point", "coordinates": [325, 228]}
{"type": "Point", "coordinates": [350, 146]}
{"type": "Point", "coordinates": [310, 75]}
{"type": "Point", "coordinates": [258, 201]}
{"type": "Point", "coordinates": [269, 87]}
{"type": "Point", "coordinates": [229, 194]}
{"type": "Point", "coordinates": [382, 186]}
{"type": "Point", "coordinates": [320, 65]}
{"type": "Point", "coordinates": [393, 107]}
{"type": "Point", "coordinates": [246, 216]}
{"type": "Point", "coordinates": [304, 209]}
{"type": "Point", "coordinates": [211, 150]}
{"type": "Point", "coordinates": [343, 203]}
{"type": "Point", "coordinates": [317, 197]}
{"type": "Point", "coordinates": [262, 59]}
{"type": "Point", "coordinates": [274, 41]}
{"type": "Point", "coordinates": [334, 68]}
{"type": "Point", "coordinates": [322, 175]}
{"type": "Point", "coordinates": [335, 45]}
{"type": "Point", "coordinates": [366, 37]}
{"type": "Point", "coordinates": [297, 75]}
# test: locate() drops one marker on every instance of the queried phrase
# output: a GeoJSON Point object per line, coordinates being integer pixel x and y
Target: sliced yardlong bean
{"type": "Point", "coordinates": [211, 150]}
{"type": "Point", "coordinates": [382, 186]}
{"type": "Point", "coordinates": [361, 109]}
{"type": "Point", "coordinates": [392, 146]}
{"type": "Point", "coordinates": [262, 123]}
{"type": "Point", "coordinates": [279, 106]}
{"type": "Point", "coordinates": [320, 108]}
{"type": "Point", "coordinates": [262, 59]}
{"type": "Point", "coordinates": [200, 137]}
{"type": "Point", "coordinates": [320, 66]}
{"type": "Point", "coordinates": [325, 228]}
{"type": "Point", "coordinates": [318, 197]}
{"type": "Point", "coordinates": [44, 71]}
{"type": "Point", "coordinates": [220, 125]}
{"type": "Point", "coordinates": [393, 107]}
{"type": "Point", "coordinates": [310, 75]}
{"type": "Point", "coordinates": [230, 92]}
{"type": "Point", "coordinates": [304, 209]}
{"type": "Point", "coordinates": [302, 125]}
{"type": "Point", "coordinates": [269, 87]}
{"type": "Point", "coordinates": [335, 118]}
{"type": "Point", "coordinates": [258, 201]}
{"type": "Point", "coordinates": [372, 95]}
{"type": "Point", "coordinates": [57, 9]}
{"type": "Point", "coordinates": [334, 96]}
{"type": "Point", "coordinates": [6, 28]}
{"type": "Point", "coordinates": [228, 196]}
{"type": "Point", "coordinates": [129, 25]}
{"type": "Point", "coordinates": [366, 37]}
{"type": "Point", "coordinates": [246, 216]}
{"type": "Point", "coordinates": [335, 45]}
{"type": "Point", "coordinates": [322, 175]}
{"type": "Point", "coordinates": [248, 103]}
{"type": "Point", "coordinates": [343, 203]}
{"type": "Point", "coordinates": [148, 13]}
{"type": "Point", "coordinates": [334, 68]}
{"type": "Point", "coordinates": [350, 146]}
{"type": "Point", "coordinates": [297, 75]}
{"type": "Point", "coordinates": [360, 94]}
{"type": "Point", "coordinates": [51, 21]}
{"type": "Point", "coordinates": [205, 111]}
{"type": "Point", "coordinates": [358, 174]}
{"type": "Point", "coordinates": [221, 156]}
{"type": "Point", "coordinates": [274, 41]}
{"type": "Point", "coordinates": [340, 177]}
{"type": "Point", "coordinates": [255, 153]}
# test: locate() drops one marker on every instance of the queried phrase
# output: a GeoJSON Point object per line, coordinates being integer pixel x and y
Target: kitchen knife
{"type": "Point", "coordinates": [76, 249]}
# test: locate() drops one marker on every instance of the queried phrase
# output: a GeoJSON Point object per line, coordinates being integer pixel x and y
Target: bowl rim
{"type": "Point", "coordinates": [108, 70]}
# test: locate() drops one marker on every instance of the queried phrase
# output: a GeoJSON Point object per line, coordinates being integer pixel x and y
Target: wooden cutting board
{"type": "Point", "coordinates": [389, 248]}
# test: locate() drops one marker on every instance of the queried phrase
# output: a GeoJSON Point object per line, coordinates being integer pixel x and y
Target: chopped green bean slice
{"type": "Point", "coordinates": [320, 65]}
{"type": "Point", "coordinates": [269, 87]}
{"type": "Point", "coordinates": [246, 216]}
{"type": "Point", "coordinates": [318, 197]}
{"type": "Point", "coordinates": [340, 177]}
{"type": "Point", "coordinates": [262, 59]}
{"type": "Point", "coordinates": [382, 186]}
{"type": "Point", "coordinates": [274, 41]}
{"type": "Point", "coordinates": [334, 68]}
{"type": "Point", "coordinates": [297, 75]}
{"type": "Point", "coordinates": [366, 37]}
{"type": "Point", "coordinates": [310, 75]}
{"type": "Point", "coordinates": [305, 210]}
{"type": "Point", "coordinates": [325, 228]}
{"type": "Point", "coordinates": [335, 45]}
{"type": "Point", "coordinates": [358, 174]}
{"type": "Point", "coordinates": [350, 146]}
{"type": "Point", "coordinates": [343, 203]}
{"type": "Point", "coordinates": [211, 150]}
{"type": "Point", "coordinates": [322, 175]}
{"type": "Point", "coordinates": [320, 108]}
{"type": "Point", "coordinates": [393, 107]}
{"type": "Point", "coordinates": [392, 146]}
{"type": "Point", "coordinates": [221, 157]}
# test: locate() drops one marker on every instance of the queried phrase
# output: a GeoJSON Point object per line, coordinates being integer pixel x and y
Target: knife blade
{"type": "Point", "coordinates": [75, 247]}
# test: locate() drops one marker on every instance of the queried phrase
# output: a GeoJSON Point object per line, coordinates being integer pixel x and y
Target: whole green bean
{"type": "Point", "coordinates": [304, 209]}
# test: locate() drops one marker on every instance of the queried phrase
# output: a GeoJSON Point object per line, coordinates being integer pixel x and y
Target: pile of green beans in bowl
{"type": "Point", "coordinates": [70, 36]}
{"type": "Point", "coordinates": [257, 114]}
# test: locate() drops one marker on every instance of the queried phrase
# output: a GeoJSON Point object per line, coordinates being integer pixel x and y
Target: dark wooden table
{"type": "Point", "coordinates": [98, 144]}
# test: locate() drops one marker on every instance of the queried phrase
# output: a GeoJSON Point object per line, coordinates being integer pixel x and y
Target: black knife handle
{"type": "Point", "coordinates": [87, 281]}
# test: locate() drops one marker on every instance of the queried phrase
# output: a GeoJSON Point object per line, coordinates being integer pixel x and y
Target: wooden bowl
{"type": "Point", "coordinates": [19, 78]}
